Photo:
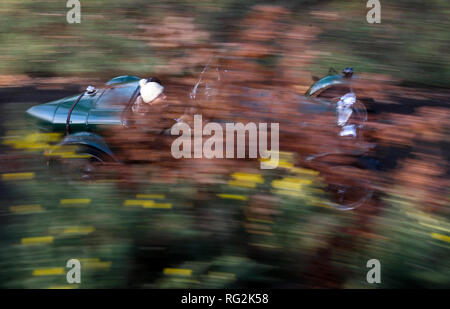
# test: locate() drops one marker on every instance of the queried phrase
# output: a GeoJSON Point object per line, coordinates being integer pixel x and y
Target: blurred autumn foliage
{"type": "Point", "coordinates": [158, 222]}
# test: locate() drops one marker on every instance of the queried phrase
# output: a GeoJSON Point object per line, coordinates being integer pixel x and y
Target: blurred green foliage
{"type": "Point", "coordinates": [411, 43]}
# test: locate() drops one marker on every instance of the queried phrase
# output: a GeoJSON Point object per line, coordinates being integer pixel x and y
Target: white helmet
{"type": "Point", "coordinates": [150, 90]}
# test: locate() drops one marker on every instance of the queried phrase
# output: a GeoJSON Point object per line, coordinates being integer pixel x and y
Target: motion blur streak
{"type": "Point", "coordinates": [340, 196]}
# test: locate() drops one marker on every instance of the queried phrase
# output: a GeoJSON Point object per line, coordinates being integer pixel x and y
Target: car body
{"type": "Point", "coordinates": [82, 116]}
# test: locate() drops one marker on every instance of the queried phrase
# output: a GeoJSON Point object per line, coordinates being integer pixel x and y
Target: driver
{"type": "Point", "coordinates": [152, 102]}
{"type": "Point", "coordinates": [151, 94]}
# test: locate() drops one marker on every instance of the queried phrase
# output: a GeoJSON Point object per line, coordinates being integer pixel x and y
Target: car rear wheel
{"type": "Point", "coordinates": [349, 194]}
{"type": "Point", "coordinates": [348, 183]}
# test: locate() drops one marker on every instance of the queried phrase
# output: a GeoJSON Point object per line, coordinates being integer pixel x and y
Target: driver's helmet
{"type": "Point", "coordinates": [151, 88]}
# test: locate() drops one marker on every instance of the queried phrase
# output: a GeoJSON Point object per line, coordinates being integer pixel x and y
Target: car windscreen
{"type": "Point", "coordinates": [116, 97]}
